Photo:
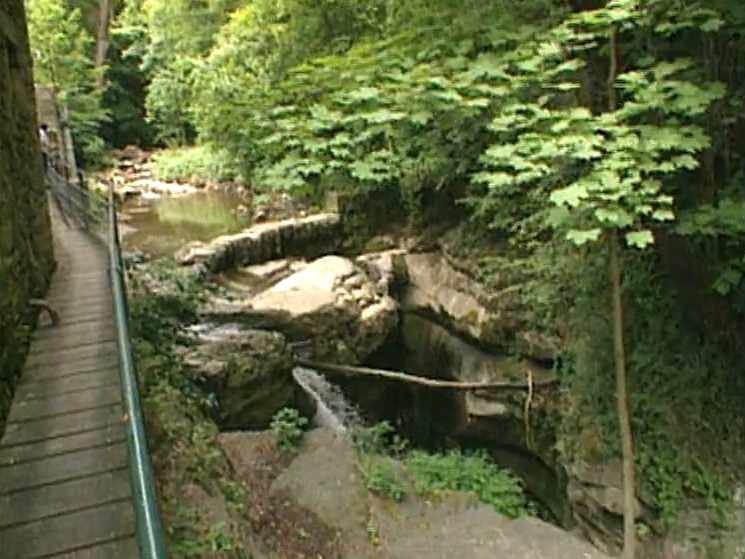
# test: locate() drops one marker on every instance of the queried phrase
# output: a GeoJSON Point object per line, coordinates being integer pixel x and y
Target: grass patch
{"type": "Point", "coordinates": [386, 465]}
{"type": "Point", "coordinates": [200, 164]}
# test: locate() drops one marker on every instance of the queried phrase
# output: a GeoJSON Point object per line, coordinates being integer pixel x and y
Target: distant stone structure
{"type": "Point", "coordinates": [26, 249]}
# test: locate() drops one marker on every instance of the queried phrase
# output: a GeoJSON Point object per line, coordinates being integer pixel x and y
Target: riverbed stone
{"type": "Point", "coordinates": [250, 374]}
{"type": "Point", "coordinates": [308, 236]}
{"type": "Point", "coordinates": [332, 305]}
{"type": "Point", "coordinates": [324, 478]}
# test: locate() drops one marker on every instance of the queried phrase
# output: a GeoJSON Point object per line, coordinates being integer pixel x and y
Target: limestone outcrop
{"type": "Point", "coordinates": [330, 304]}
{"type": "Point", "coordinates": [429, 283]}
{"type": "Point", "coordinates": [324, 480]}
{"type": "Point", "coordinates": [308, 236]}
{"type": "Point", "coordinates": [250, 374]}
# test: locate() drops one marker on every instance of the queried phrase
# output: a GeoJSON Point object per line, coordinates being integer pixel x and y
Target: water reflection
{"type": "Point", "coordinates": [160, 226]}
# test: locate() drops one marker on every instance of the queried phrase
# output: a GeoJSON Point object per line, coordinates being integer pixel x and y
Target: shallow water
{"type": "Point", "coordinates": [160, 226]}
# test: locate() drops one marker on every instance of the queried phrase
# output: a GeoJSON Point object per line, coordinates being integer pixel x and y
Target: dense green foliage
{"type": "Point", "coordinates": [62, 45]}
{"type": "Point", "coordinates": [388, 468]}
{"type": "Point", "coordinates": [526, 123]}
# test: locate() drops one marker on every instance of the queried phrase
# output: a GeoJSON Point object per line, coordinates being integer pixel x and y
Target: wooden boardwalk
{"type": "Point", "coordinates": [64, 483]}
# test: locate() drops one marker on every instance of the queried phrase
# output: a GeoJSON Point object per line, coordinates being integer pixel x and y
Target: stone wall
{"type": "Point", "coordinates": [26, 253]}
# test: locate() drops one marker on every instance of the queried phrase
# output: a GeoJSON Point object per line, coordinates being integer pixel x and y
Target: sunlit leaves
{"type": "Point", "coordinates": [612, 165]}
{"type": "Point", "coordinates": [581, 237]}
{"type": "Point", "coordinates": [639, 239]}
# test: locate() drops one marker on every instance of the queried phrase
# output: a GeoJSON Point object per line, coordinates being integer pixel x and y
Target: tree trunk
{"type": "Point", "coordinates": [619, 352]}
{"type": "Point", "coordinates": [622, 403]}
{"type": "Point", "coordinates": [69, 154]}
{"type": "Point", "coordinates": [103, 38]}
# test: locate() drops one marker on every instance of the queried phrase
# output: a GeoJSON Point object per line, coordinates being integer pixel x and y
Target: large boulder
{"type": "Point", "coordinates": [431, 283]}
{"type": "Point", "coordinates": [330, 305]}
{"type": "Point", "coordinates": [324, 479]}
{"type": "Point", "coordinates": [250, 374]}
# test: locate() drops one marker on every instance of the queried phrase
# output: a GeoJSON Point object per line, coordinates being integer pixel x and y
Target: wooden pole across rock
{"type": "Point", "coordinates": [353, 370]}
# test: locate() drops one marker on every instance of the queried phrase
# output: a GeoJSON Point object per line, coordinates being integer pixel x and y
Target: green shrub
{"type": "Point", "coordinates": [378, 439]}
{"type": "Point", "coordinates": [197, 163]}
{"type": "Point", "coordinates": [287, 429]}
{"type": "Point", "coordinates": [472, 473]}
{"type": "Point", "coordinates": [382, 478]}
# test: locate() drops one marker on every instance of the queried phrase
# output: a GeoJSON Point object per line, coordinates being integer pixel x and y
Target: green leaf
{"type": "Point", "coordinates": [581, 237]}
{"type": "Point", "coordinates": [570, 196]}
{"type": "Point", "coordinates": [663, 215]}
{"type": "Point", "coordinates": [615, 216]}
{"type": "Point", "coordinates": [557, 216]}
{"type": "Point", "coordinates": [639, 239]}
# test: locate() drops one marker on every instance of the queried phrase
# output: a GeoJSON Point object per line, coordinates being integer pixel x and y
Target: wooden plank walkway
{"type": "Point", "coordinates": [64, 483]}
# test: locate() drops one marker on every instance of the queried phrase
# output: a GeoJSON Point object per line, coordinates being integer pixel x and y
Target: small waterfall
{"type": "Point", "coordinates": [209, 332]}
{"type": "Point", "coordinates": [333, 409]}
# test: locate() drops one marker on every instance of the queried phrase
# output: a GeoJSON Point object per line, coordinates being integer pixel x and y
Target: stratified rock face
{"type": "Point", "coordinates": [324, 479]}
{"type": "Point", "coordinates": [26, 255]}
{"type": "Point", "coordinates": [497, 318]}
{"type": "Point", "coordinates": [700, 532]}
{"type": "Point", "coordinates": [250, 374]}
{"type": "Point", "coordinates": [495, 419]}
{"type": "Point", "coordinates": [332, 304]}
{"type": "Point", "coordinates": [309, 236]}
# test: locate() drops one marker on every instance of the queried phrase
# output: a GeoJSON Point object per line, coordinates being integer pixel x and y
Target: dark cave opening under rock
{"type": "Point", "coordinates": [438, 420]}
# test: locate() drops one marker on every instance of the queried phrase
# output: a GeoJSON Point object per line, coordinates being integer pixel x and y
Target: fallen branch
{"type": "Point", "coordinates": [350, 370]}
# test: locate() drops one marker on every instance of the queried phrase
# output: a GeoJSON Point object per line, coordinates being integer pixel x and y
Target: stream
{"type": "Point", "coordinates": [160, 225]}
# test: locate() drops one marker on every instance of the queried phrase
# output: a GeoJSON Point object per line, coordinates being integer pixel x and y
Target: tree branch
{"type": "Point", "coordinates": [350, 370]}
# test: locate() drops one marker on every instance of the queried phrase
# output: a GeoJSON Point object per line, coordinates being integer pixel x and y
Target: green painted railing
{"type": "Point", "coordinates": [144, 499]}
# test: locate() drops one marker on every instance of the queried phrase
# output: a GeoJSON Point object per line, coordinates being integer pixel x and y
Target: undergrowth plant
{"type": "Point", "coordinates": [183, 438]}
{"type": "Point", "coordinates": [382, 476]}
{"type": "Point", "coordinates": [388, 467]}
{"type": "Point", "coordinates": [287, 429]}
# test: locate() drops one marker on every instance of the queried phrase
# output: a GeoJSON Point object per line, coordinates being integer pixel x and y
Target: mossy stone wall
{"type": "Point", "coordinates": [26, 250]}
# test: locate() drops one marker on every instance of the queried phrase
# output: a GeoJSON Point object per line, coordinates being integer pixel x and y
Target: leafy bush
{"type": "Point", "coordinates": [196, 163]}
{"type": "Point", "coordinates": [287, 429]}
{"type": "Point", "coordinates": [378, 439]}
{"type": "Point", "coordinates": [184, 446]}
{"type": "Point", "coordinates": [382, 478]}
{"type": "Point", "coordinates": [472, 473]}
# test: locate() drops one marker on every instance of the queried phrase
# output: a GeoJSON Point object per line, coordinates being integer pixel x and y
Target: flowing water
{"type": "Point", "coordinates": [333, 410]}
{"type": "Point", "coordinates": [161, 225]}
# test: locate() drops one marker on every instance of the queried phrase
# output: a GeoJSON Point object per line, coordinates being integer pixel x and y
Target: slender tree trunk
{"type": "Point", "coordinates": [622, 403]}
{"type": "Point", "coordinates": [103, 38]}
{"type": "Point", "coordinates": [69, 154]}
{"type": "Point", "coordinates": [619, 354]}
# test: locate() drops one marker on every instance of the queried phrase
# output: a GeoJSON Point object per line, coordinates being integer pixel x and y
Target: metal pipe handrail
{"type": "Point", "coordinates": [144, 499]}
